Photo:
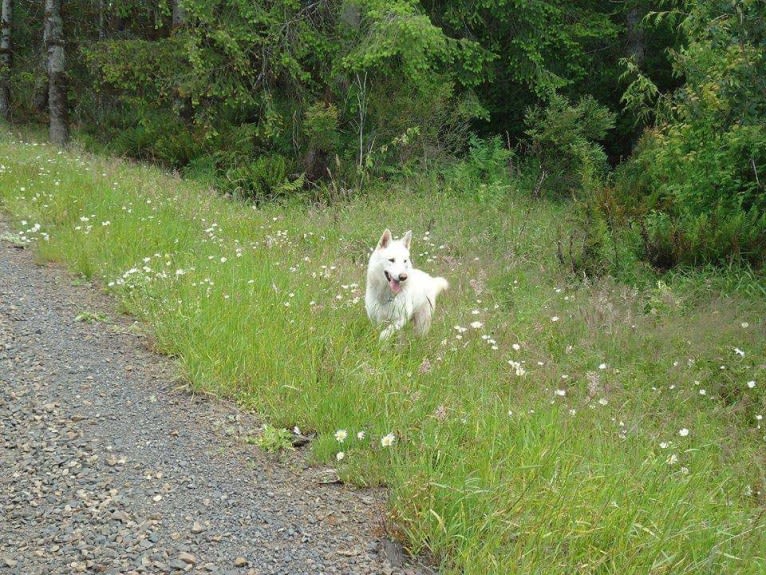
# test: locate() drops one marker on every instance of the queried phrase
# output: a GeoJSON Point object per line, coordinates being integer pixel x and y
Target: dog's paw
{"type": "Point", "coordinates": [387, 333]}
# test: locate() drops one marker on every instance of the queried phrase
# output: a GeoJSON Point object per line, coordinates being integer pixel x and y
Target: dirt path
{"type": "Point", "coordinates": [107, 467]}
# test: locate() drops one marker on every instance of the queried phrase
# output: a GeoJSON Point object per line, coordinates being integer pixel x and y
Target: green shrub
{"type": "Point", "coordinates": [153, 135]}
{"type": "Point", "coordinates": [563, 143]}
{"type": "Point", "coordinates": [700, 197]}
{"type": "Point", "coordinates": [599, 238]}
{"type": "Point", "coordinates": [695, 182]}
{"type": "Point", "coordinates": [320, 125]}
{"type": "Point", "coordinates": [485, 171]}
{"type": "Point", "coordinates": [262, 179]}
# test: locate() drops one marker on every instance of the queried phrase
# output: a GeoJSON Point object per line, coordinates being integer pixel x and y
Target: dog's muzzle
{"type": "Point", "coordinates": [395, 282]}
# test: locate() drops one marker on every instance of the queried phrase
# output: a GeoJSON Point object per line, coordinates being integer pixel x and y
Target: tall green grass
{"type": "Point", "coordinates": [547, 424]}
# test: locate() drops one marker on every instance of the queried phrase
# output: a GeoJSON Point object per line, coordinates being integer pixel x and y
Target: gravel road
{"type": "Point", "coordinates": [106, 466]}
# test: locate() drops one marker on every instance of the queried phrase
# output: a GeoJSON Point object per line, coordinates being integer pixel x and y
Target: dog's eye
{"type": "Point", "coordinates": [392, 260]}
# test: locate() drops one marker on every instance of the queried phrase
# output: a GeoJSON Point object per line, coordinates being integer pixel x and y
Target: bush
{"type": "Point", "coordinates": [485, 171]}
{"type": "Point", "coordinates": [600, 239]}
{"type": "Point", "coordinates": [563, 143]}
{"type": "Point", "coordinates": [695, 182]}
{"type": "Point", "coordinates": [145, 134]}
{"type": "Point", "coordinates": [262, 179]}
{"type": "Point", "coordinates": [701, 202]}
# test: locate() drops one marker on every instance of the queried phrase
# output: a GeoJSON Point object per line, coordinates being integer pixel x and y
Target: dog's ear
{"type": "Point", "coordinates": [407, 239]}
{"type": "Point", "coordinates": [385, 239]}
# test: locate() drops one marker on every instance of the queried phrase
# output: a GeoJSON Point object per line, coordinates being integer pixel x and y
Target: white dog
{"type": "Point", "coordinates": [397, 292]}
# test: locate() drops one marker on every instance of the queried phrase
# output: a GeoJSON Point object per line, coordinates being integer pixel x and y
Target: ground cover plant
{"type": "Point", "coordinates": [548, 423]}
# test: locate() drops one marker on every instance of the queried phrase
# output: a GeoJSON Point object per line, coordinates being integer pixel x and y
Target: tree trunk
{"type": "Point", "coordinates": [57, 86]}
{"type": "Point", "coordinates": [635, 36]}
{"type": "Point", "coordinates": [101, 33]}
{"type": "Point", "coordinates": [178, 16]}
{"type": "Point", "coordinates": [5, 59]}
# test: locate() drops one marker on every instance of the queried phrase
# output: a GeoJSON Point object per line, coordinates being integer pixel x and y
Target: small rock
{"type": "Point", "coordinates": [120, 516]}
{"type": "Point", "coordinates": [351, 552]}
{"type": "Point", "coordinates": [393, 552]}
{"type": "Point", "coordinates": [173, 564]}
{"type": "Point", "coordinates": [197, 527]}
{"type": "Point", "coordinates": [112, 460]}
{"type": "Point", "coordinates": [240, 562]}
{"type": "Point", "coordinates": [187, 558]}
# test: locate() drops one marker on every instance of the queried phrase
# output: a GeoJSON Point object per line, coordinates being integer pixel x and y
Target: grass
{"type": "Point", "coordinates": [547, 424]}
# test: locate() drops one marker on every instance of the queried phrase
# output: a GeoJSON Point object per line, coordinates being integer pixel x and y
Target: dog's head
{"type": "Point", "coordinates": [394, 258]}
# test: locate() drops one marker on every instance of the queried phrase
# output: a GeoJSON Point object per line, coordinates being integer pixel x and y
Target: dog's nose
{"type": "Point", "coordinates": [402, 277]}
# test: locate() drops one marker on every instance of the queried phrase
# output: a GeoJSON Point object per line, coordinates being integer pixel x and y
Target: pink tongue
{"type": "Point", "coordinates": [395, 286]}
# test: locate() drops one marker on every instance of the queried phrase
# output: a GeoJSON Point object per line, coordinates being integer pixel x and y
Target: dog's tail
{"type": "Point", "coordinates": [440, 285]}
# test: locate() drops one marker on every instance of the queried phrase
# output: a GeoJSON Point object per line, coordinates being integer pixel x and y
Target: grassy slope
{"type": "Point", "coordinates": [540, 427]}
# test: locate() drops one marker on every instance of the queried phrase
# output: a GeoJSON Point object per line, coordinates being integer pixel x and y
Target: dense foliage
{"type": "Point", "coordinates": [268, 99]}
{"type": "Point", "coordinates": [696, 180]}
{"type": "Point", "coordinates": [261, 92]}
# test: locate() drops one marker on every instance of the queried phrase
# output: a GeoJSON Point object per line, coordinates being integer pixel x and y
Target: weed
{"type": "Point", "coordinates": [91, 317]}
{"type": "Point", "coordinates": [274, 440]}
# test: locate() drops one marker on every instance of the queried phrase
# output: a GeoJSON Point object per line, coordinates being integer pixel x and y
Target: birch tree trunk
{"type": "Point", "coordinates": [101, 33]}
{"type": "Point", "coordinates": [57, 101]}
{"type": "Point", "coordinates": [178, 14]}
{"type": "Point", "coordinates": [5, 59]}
{"type": "Point", "coordinates": [635, 37]}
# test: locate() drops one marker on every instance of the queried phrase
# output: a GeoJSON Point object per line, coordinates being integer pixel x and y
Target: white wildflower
{"type": "Point", "coordinates": [518, 368]}
{"type": "Point", "coordinates": [388, 440]}
{"type": "Point", "coordinates": [341, 435]}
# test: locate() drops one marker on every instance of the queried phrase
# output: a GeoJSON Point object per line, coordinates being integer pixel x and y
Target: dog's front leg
{"type": "Point", "coordinates": [392, 328]}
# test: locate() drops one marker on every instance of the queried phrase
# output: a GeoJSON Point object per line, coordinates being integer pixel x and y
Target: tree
{"type": "Point", "coordinates": [635, 37]}
{"type": "Point", "coordinates": [533, 49]}
{"type": "Point", "coordinates": [259, 91]}
{"type": "Point", "coordinates": [178, 18]}
{"type": "Point", "coordinates": [53, 37]}
{"type": "Point", "coordinates": [698, 174]}
{"type": "Point", "coordinates": [5, 59]}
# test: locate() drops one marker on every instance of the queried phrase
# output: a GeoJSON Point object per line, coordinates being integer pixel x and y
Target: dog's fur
{"type": "Point", "coordinates": [397, 292]}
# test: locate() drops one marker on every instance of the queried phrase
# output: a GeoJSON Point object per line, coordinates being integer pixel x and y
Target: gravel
{"type": "Point", "coordinates": [108, 466]}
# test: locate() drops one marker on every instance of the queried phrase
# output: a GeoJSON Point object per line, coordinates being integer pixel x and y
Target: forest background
{"type": "Point", "coordinates": [588, 175]}
{"type": "Point", "coordinates": [649, 114]}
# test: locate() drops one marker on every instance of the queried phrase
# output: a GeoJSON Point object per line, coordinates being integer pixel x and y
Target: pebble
{"type": "Point", "coordinates": [187, 558]}
{"type": "Point", "coordinates": [197, 528]}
